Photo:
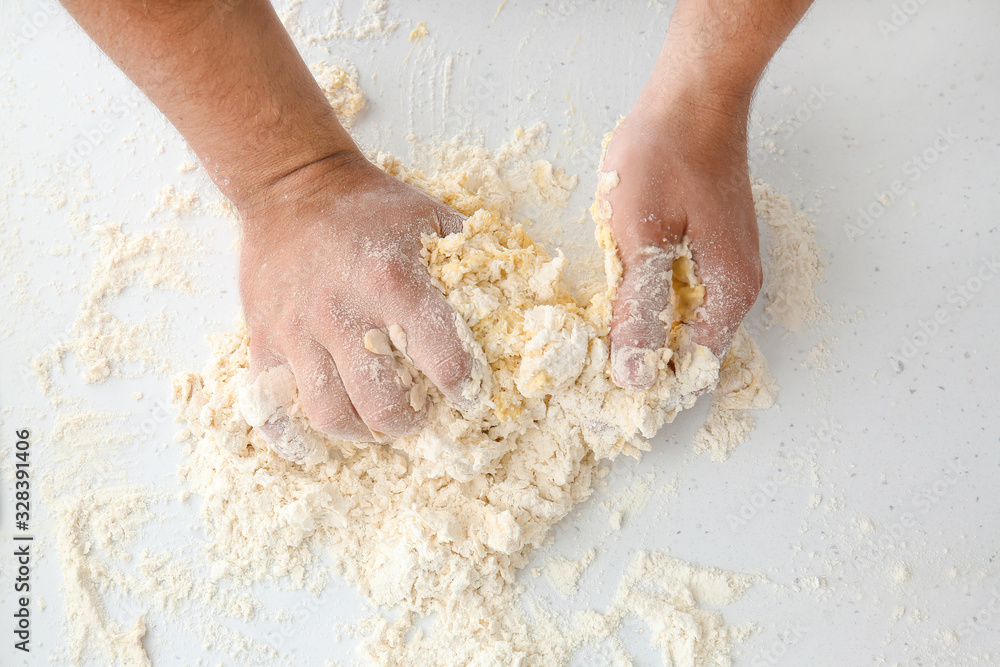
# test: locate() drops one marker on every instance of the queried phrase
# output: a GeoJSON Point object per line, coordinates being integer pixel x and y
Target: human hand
{"type": "Point", "coordinates": [331, 247]}
{"type": "Point", "coordinates": [682, 171]}
{"type": "Point", "coordinates": [681, 157]}
{"type": "Point", "coordinates": [329, 254]}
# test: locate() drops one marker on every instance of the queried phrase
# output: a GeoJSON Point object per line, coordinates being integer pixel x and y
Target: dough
{"type": "Point", "coordinates": [442, 521]}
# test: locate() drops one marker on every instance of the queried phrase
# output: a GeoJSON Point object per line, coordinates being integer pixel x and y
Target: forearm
{"type": "Point", "coordinates": [228, 77]}
{"type": "Point", "coordinates": [716, 51]}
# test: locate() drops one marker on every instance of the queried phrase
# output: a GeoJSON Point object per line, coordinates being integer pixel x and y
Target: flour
{"type": "Point", "coordinates": [792, 267]}
{"type": "Point", "coordinates": [630, 500]}
{"type": "Point", "coordinates": [668, 594]}
{"type": "Point", "coordinates": [128, 648]}
{"type": "Point", "coordinates": [441, 521]}
{"type": "Point", "coordinates": [101, 343]}
{"type": "Point", "coordinates": [109, 522]}
{"type": "Point", "coordinates": [373, 22]}
{"type": "Point", "coordinates": [419, 32]}
{"type": "Point", "coordinates": [744, 384]}
{"type": "Point", "coordinates": [564, 573]}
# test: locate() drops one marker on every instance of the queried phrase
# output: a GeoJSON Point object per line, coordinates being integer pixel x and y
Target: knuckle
{"type": "Point", "coordinates": [450, 370]}
{"type": "Point", "coordinates": [337, 422]}
{"type": "Point", "coordinates": [393, 417]}
{"type": "Point", "coordinates": [262, 355]}
{"type": "Point", "coordinates": [396, 271]}
{"type": "Point", "coordinates": [288, 329]}
{"type": "Point", "coordinates": [327, 406]}
{"type": "Point", "coordinates": [753, 280]}
{"type": "Point", "coordinates": [320, 301]}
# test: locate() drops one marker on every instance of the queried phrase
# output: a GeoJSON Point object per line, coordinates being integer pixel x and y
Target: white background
{"type": "Point", "coordinates": [915, 450]}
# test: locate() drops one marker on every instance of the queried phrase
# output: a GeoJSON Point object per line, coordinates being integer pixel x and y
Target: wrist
{"type": "Point", "coordinates": [700, 86]}
{"type": "Point", "coordinates": [717, 51]}
{"type": "Point", "coordinates": [689, 112]}
{"type": "Point", "coordinates": [276, 203]}
{"type": "Point", "coordinates": [249, 169]}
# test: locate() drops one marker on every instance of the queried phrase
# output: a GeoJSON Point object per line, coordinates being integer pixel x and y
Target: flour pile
{"type": "Point", "coordinates": [441, 522]}
{"type": "Point", "coordinates": [436, 524]}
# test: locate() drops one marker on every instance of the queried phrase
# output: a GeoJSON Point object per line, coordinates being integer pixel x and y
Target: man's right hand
{"type": "Point", "coordinates": [331, 252]}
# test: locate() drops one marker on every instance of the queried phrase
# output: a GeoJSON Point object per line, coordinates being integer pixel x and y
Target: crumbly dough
{"type": "Point", "coordinates": [342, 90]}
{"type": "Point", "coordinates": [441, 521]}
{"type": "Point", "coordinates": [459, 542]}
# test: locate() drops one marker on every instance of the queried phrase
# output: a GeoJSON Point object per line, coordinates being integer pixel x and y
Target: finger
{"type": "Point", "coordinates": [378, 386]}
{"type": "Point", "coordinates": [287, 441]}
{"type": "Point", "coordinates": [323, 396]}
{"type": "Point", "coordinates": [264, 401]}
{"type": "Point", "coordinates": [440, 342]}
{"type": "Point", "coordinates": [263, 355]}
{"type": "Point", "coordinates": [731, 274]}
{"type": "Point", "coordinates": [263, 358]}
{"type": "Point", "coordinates": [637, 331]}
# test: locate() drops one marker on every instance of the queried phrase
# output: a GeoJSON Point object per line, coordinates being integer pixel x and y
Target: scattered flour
{"type": "Point", "coordinates": [901, 573]}
{"type": "Point", "coordinates": [419, 32]}
{"type": "Point", "coordinates": [564, 573]}
{"type": "Point", "coordinates": [630, 500]}
{"type": "Point", "coordinates": [441, 522]}
{"type": "Point", "coordinates": [744, 384]}
{"type": "Point", "coordinates": [109, 522]}
{"type": "Point", "coordinates": [101, 342]}
{"type": "Point", "coordinates": [372, 23]}
{"type": "Point", "coordinates": [792, 267]}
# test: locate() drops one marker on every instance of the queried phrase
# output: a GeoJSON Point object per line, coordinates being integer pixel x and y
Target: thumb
{"type": "Point", "coordinates": [732, 283]}
{"type": "Point", "coordinates": [637, 331]}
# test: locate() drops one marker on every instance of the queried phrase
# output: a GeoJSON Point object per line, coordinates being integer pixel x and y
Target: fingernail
{"type": "Point", "coordinates": [634, 368]}
{"type": "Point", "coordinates": [287, 441]}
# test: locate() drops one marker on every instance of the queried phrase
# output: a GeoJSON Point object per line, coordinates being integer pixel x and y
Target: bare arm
{"type": "Point", "coordinates": [718, 49]}
{"type": "Point", "coordinates": [681, 155]}
{"type": "Point", "coordinates": [228, 77]}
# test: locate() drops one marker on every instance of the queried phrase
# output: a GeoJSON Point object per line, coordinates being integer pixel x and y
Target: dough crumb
{"type": "Point", "coordinates": [419, 32]}
{"type": "Point", "coordinates": [564, 574]}
{"type": "Point", "coordinates": [342, 90]}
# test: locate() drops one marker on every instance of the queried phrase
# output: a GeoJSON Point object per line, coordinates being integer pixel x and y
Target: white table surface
{"type": "Point", "coordinates": [914, 450]}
